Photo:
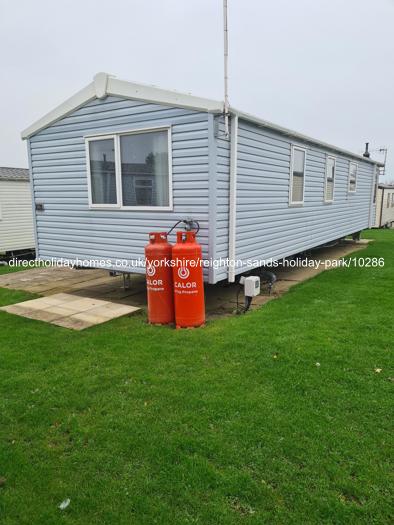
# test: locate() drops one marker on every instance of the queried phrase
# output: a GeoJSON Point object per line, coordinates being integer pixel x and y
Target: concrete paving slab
{"type": "Point", "coordinates": [111, 309]}
{"type": "Point", "coordinates": [70, 311]}
{"type": "Point", "coordinates": [90, 318]}
{"type": "Point", "coordinates": [84, 303]}
{"type": "Point", "coordinates": [73, 324]}
{"type": "Point", "coordinates": [62, 311]}
{"type": "Point", "coordinates": [30, 313]}
{"type": "Point", "coordinates": [36, 304]}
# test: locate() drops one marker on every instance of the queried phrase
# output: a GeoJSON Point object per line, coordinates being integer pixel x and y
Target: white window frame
{"type": "Point", "coordinates": [291, 202]}
{"type": "Point", "coordinates": [118, 169]}
{"type": "Point", "coordinates": [87, 141]}
{"type": "Point", "coordinates": [348, 184]}
{"type": "Point", "coordinates": [329, 201]}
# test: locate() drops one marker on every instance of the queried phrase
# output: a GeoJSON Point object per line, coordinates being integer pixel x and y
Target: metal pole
{"type": "Point", "coordinates": [226, 101]}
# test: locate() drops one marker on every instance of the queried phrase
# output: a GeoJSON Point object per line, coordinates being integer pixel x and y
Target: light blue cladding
{"type": "Point", "coordinates": [68, 228]}
{"type": "Point", "coordinates": [266, 226]}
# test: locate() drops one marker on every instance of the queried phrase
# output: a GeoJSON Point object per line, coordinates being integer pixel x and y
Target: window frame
{"type": "Point", "coordinates": [355, 182]}
{"type": "Point", "coordinates": [118, 169]}
{"type": "Point", "coordinates": [87, 142]}
{"type": "Point", "coordinates": [330, 201]}
{"type": "Point", "coordinates": [291, 202]}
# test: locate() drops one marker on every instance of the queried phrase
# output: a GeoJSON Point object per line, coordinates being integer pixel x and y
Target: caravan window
{"type": "Point", "coordinates": [145, 169]}
{"type": "Point", "coordinates": [352, 176]}
{"type": "Point", "coordinates": [330, 176]}
{"type": "Point", "coordinates": [102, 171]}
{"type": "Point", "coordinates": [297, 175]}
{"type": "Point", "coordinates": [130, 170]}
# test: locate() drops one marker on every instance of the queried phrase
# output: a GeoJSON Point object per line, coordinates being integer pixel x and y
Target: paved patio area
{"type": "Point", "coordinates": [70, 311]}
{"type": "Point", "coordinates": [98, 287]}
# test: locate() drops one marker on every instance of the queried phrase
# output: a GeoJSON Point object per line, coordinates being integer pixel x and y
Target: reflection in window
{"type": "Point", "coordinates": [102, 171]}
{"type": "Point", "coordinates": [144, 191]}
{"type": "Point", "coordinates": [144, 168]}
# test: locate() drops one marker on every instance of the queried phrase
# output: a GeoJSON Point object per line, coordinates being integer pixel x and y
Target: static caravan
{"type": "Point", "coordinates": [16, 217]}
{"type": "Point", "coordinates": [118, 160]}
{"type": "Point", "coordinates": [385, 206]}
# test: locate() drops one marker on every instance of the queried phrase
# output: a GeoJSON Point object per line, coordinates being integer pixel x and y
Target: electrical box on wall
{"type": "Point", "coordinates": [251, 285]}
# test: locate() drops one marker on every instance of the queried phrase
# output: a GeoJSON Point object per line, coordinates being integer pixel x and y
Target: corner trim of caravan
{"type": "Point", "coordinates": [212, 199]}
{"type": "Point", "coordinates": [232, 197]}
{"type": "Point", "coordinates": [33, 200]}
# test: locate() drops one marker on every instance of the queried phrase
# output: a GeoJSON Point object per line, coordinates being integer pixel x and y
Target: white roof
{"type": "Point", "coordinates": [104, 85]}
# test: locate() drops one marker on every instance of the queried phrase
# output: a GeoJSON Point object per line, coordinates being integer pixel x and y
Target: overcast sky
{"type": "Point", "coordinates": [321, 67]}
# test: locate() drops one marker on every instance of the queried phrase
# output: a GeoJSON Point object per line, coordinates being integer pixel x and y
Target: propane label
{"type": "Point", "coordinates": [155, 285]}
{"type": "Point", "coordinates": [186, 288]}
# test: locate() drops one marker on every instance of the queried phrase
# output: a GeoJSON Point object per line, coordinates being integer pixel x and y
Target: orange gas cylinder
{"type": "Point", "coordinates": [159, 279]}
{"type": "Point", "coordinates": [188, 281]}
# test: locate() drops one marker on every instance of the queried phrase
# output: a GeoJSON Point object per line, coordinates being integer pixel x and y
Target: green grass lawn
{"type": "Point", "coordinates": [230, 424]}
{"type": "Point", "coordinates": [8, 269]}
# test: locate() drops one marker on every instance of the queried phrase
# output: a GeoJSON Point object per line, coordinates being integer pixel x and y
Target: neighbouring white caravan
{"type": "Point", "coordinates": [16, 216]}
{"type": "Point", "coordinates": [118, 160]}
{"type": "Point", "coordinates": [385, 206]}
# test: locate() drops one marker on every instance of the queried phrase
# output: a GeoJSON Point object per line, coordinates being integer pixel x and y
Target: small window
{"type": "Point", "coordinates": [330, 176]}
{"type": "Point", "coordinates": [352, 176]}
{"type": "Point", "coordinates": [145, 169]}
{"type": "Point", "coordinates": [392, 200]}
{"type": "Point", "coordinates": [388, 200]}
{"type": "Point", "coordinates": [102, 171]}
{"type": "Point", "coordinates": [130, 170]}
{"type": "Point", "coordinates": [297, 175]}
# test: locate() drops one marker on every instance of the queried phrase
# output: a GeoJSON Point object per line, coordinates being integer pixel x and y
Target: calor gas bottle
{"type": "Point", "coordinates": [159, 282]}
{"type": "Point", "coordinates": [188, 281]}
